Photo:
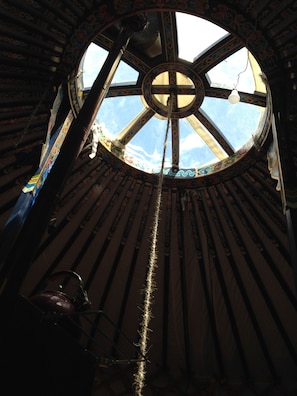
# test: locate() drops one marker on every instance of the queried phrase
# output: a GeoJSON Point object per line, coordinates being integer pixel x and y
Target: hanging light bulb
{"type": "Point", "coordinates": [234, 97]}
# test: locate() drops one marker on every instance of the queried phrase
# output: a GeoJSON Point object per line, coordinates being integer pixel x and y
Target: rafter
{"type": "Point", "coordinates": [129, 56]}
{"type": "Point", "coordinates": [217, 53]}
{"type": "Point", "coordinates": [175, 142]}
{"type": "Point", "coordinates": [206, 137]}
{"type": "Point", "coordinates": [117, 90]}
{"type": "Point", "coordinates": [134, 126]}
{"type": "Point", "coordinates": [257, 99]}
{"type": "Point", "coordinates": [169, 36]}
{"type": "Point", "coordinates": [215, 132]}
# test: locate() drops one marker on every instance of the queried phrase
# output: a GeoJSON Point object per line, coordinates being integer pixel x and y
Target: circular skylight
{"type": "Point", "coordinates": [194, 65]}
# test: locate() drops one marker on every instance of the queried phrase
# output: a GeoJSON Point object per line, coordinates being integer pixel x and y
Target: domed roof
{"type": "Point", "coordinates": [223, 309]}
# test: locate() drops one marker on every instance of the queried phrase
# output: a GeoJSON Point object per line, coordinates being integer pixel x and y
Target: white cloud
{"type": "Point", "coordinates": [190, 142]}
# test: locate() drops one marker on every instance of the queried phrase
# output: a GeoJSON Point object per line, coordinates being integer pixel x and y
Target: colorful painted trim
{"type": "Point", "coordinates": [36, 181]}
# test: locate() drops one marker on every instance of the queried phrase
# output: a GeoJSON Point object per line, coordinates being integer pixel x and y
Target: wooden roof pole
{"type": "Point", "coordinates": [17, 257]}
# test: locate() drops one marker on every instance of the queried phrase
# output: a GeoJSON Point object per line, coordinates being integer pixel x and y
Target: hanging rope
{"type": "Point", "coordinates": [152, 265]}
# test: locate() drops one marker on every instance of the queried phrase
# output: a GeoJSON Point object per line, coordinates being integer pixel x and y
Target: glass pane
{"type": "Point", "coordinates": [191, 29]}
{"type": "Point", "coordinates": [234, 70]}
{"type": "Point", "coordinates": [125, 74]}
{"type": "Point", "coordinates": [115, 113]}
{"type": "Point", "coordinates": [237, 122]}
{"type": "Point", "coordinates": [93, 61]}
{"type": "Point", "coordinates": [147, 146]}
{"type": "Point", "coordinates": [193, 151]}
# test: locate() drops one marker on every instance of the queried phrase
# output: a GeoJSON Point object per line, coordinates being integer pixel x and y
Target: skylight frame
{"type": "Point", "coordinates": [211, 91]}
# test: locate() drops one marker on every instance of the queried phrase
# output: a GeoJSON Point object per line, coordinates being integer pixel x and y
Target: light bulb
{"type": "Point", "coordinates": [234, 97]}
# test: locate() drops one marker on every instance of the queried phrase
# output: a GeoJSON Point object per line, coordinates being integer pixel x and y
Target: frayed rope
{"type": "Point", "coordinates": [150, 285]}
